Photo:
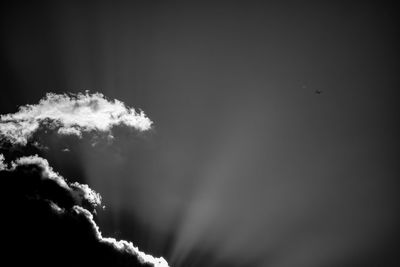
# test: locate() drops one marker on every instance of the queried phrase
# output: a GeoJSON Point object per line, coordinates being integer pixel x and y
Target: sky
{"type": "Point", "coordinates": [245, 164]}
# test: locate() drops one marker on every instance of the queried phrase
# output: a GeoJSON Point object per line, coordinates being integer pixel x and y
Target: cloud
{"type": "Point", "coordinates": [48, 220]}
{"type": "Point", "coordinates": [2, 164]}
{"type": "Point", "coordinates": [70, 114]}
{"type": "Point", "coordinates": [51, 221]}
{"type": "Point", "coordinates": [120, 245]}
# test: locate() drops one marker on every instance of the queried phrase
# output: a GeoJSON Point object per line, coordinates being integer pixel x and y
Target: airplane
{"type": "Point", "coordinates": [318, 92]}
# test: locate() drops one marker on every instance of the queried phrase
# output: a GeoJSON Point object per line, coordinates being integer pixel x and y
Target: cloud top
{"type": "Point", "coordinates": [70, 114]}
{"type": "Point", "coordinates": [62, 214]}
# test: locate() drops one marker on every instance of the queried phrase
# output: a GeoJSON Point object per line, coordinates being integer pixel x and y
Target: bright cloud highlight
{"type": "Point", "coordinates": [70, 114]}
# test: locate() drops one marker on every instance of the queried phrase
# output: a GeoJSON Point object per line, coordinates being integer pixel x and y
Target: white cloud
{"type": "Point", "coordinates": [121, 245]}
{"type": "Point", "coordinates": [70, 115]}
{"type": "Point", "coordinates": [2, 163]}
{"type": "Point", "coordinates": [81, 193]}
{"type": "Point", "coordinates": [43, 164]}
{"type": "Point", "coordinates": [69, 131]}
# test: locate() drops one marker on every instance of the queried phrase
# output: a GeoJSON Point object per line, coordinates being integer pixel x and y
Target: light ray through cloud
{"type": "Point", "coordinates": [73, 204]}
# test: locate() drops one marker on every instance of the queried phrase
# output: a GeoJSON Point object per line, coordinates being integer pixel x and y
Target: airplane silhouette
{"type": "Point", "coordinates": [318, 92]}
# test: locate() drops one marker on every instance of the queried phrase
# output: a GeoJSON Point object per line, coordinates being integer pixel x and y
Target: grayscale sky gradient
{"type": "Point", "coordinates": [246, 165]}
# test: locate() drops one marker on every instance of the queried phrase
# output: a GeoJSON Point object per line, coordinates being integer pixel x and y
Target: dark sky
{"type": "Point", "coordinates": [246, 164]}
